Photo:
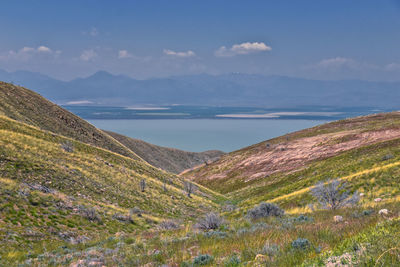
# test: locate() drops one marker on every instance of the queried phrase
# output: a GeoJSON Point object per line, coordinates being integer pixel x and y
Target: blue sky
{"type": "Point", "coordinates": [312, 39]}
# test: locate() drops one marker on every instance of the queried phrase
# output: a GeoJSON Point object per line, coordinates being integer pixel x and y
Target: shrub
{"type": "Point", "coordinates": [387, 157]}
{"type": "Point", "coordinates": [229, 207]}
{"type": "Point", "coordinates": [362, 213]}
{"type": "Point", "coordinates": [331, 195]}
{"type": "Point", "coordinates": [303, 218]}
{"type": "Point", "coordinates": [259, 226]}
{"type": "Point", "coordinates": [203, 259]}
{"type": "Point", "coordinates": [264, 210]}
{"type": "Point", "coordinates": [122, 218]}
{"type": "Point", "coordinates": [89, 213]}
{"type": "Point", "coordinates": [136, 211]}
{"type": "Point", "coordinates": [216, 234]}
{"type": "Point", "coordinates": [67, 146]}
{"type": "Point", "coordinates": [301, 244]}
{"type": "Point", "coordinates": [211, 221]}
{"type": "Point", "coordinates": [169, 225]}
{"type": "Point", "coordinates": [269, 249]}
{"type": "Point", "coordinates": [232, 261]}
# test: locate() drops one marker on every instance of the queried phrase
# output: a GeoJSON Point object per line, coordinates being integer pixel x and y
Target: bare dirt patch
{"type": "Point", "coordinates": [293, 155]}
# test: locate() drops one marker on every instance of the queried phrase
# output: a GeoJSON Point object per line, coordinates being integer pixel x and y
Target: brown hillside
{"type": "Point", "coordinates": [295, 151]}
{"type": "Point", "coordinates": [169, 159]}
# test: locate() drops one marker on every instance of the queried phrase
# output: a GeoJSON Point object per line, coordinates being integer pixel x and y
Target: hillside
{"type": "Point", "coordinates": [296, 151]}
{"type": "Point", "coordinates": [78, 208]}
{"type": "Point", "coordinates": [169, 159]}
{"type": "Point", "coordinates": [27, 106]}
{"type": "Point", "coordinates": [67, 202]}
{"type": "Point", "coordinates": [52, 197]}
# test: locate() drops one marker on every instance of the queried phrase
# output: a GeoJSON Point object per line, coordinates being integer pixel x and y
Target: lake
{"type": "Point", "coordinates": [204, 134]}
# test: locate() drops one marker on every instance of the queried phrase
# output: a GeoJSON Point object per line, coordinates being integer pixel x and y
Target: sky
{"type": "Point", "coordinates": [333, 40]}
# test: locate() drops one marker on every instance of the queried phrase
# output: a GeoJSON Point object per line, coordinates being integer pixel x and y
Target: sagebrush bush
{"type": "Point", "coordinates": [203, 259]}
{"type": "Point", "coordinates": [301, 243]}
{"type": "Point", "coordinates": [387, 157]}
{"type": "Point", "coordinates": [136, 211]}
{"type": "Point", "coordinates": [269, 249]}
{"type": "Point", "coordinates": [89, 213]}
{"type": "Point", "coordinates": [303, 218]}
{"type": "Point", "coordinates": [216, 234]}
{"type": "Point", "coordinates": [232, 261]}
{"type": "Point", "coordinates": [211, 221]}
{"type": "Point", "coordinates": [229, 207]}
{"type": "Point", "coordinates": [332, 195]}
{"type": "Point", "coordinates": [122, 218]}
{"type": "Point", "coordinates": [168, 225]}
{"type": "Point", "coordinates": [264, 210]}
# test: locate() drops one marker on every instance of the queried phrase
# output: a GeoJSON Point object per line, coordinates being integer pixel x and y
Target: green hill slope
{"type": "Point", "coordinates": [50, 197]}
{"type": "Point", "coordinates": [169, 159]}
{"type": "Point", "coordinates": [68, 201]}
{"type": "Point", "coordinates": [26, 106]}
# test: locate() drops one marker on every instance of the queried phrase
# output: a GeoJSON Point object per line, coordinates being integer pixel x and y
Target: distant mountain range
{"type": "Point", "coordinates": [103, 88]}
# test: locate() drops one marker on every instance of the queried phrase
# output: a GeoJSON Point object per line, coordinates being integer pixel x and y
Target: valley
{"type": "Point", "coordinates": [74, 195]}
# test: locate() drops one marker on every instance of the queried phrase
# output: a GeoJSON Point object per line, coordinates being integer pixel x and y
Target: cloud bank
{"type": "Point", "coordinates": [124, 54]}
{"type": "Point", "coordinates": [27, 52]}
{"type": "Point", "coordinates": [242, 49]}
{"type": "Point", "coordinates": [172, 53]}
{"type": "Point", "coordinates": [88, 55]}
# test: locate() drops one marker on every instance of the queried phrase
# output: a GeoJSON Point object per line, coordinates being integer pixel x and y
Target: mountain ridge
{"type": "Point", "coordinates": [103, 88]}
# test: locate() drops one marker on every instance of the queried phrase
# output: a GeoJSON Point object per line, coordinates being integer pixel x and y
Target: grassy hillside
{"type": "Point", "coordinates": [68, 202]}
{"type": "Point", "coordinates": [169, 159]}
{"type": "Point", "coordinates": [26, 106]}
{"type": "Point", "coordinates": [51, 197]}
{"type": "Point", "coordinates": [296, 151]}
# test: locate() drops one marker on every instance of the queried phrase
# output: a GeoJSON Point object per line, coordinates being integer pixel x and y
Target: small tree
{"type": "Point", "coordinates": [142, 185]}
{"type": "Point", "coordinates": [332, 195]}
{"type": "Point", "coordinates": [189, 188]}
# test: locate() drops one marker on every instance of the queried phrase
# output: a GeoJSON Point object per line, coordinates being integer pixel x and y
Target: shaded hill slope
{"type": "Point", "coordinates": [27, 106]}
{"type": "Point", "coordinates": [169, 159]}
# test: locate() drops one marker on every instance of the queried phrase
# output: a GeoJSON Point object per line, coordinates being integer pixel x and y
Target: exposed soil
{"type": "Point", "coordinates": [291, 155]}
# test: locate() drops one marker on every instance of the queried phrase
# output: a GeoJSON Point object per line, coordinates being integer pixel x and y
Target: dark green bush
{"type": "Point", "coordinates": [203, 259]}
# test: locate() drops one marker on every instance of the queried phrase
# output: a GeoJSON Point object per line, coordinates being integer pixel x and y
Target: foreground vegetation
{"type": "Point", "coordinates": [67, 201]}
{"type": "Point", "coordinates": [86, 207]}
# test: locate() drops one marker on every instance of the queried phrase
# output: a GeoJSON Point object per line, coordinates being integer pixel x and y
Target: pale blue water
{"type": "Point", "coordinates": [204, 134]}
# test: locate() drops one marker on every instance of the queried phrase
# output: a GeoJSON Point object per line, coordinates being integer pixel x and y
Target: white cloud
{"type": "Point", "coordinates": [124, 54]}
{"type": "Point", "coordinates": [392, 67]}
{"type": "Point", "coordinates": [337, 62]}
{"type": "Point", "coordinates": [88, 55]}
{"type": "Point", "coordinates": [44, 49]}
{"type": "Point", "coordinates": [242, 49]}
{"type": "Point", "coordinates": [94, 32]}
{"type": "Point", "coordinates": [27, 53]}
{"type": "Point", "coordinates": [188, 53]}
{"type": "Point", "coordinates": [79, 102]}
